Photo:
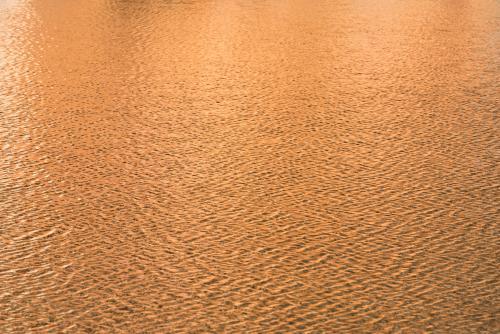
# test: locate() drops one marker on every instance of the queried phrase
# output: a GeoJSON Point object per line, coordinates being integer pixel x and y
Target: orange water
{"type": "Point", "coordinates": [249, 166]}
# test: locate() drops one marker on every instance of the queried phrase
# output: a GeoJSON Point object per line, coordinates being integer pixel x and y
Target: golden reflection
{"type": "Point", "coordinates": [248, 166]}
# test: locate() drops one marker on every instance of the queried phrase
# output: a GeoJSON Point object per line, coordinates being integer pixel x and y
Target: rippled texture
{"type": "Point", "coordinates": [249, 166]}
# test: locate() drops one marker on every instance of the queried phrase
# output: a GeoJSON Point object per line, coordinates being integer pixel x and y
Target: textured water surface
{"type": "Point", "coordinates": [249, 166]}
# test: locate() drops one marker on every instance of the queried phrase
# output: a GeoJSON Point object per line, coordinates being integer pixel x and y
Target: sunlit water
{"type": "Point", "coordinates": [249, 166]}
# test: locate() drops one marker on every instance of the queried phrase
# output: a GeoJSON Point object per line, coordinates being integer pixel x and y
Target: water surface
{"type": "Point", "coordinates": [249, 166]}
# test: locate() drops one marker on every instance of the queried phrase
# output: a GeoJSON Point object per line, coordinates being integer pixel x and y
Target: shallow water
{"type": "Point", "coordinates": [249, 166]}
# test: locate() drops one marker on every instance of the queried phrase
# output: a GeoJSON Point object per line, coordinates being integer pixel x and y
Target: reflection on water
{"type": "Point", "coordinates": [249, 166]}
